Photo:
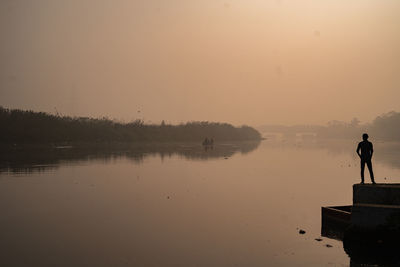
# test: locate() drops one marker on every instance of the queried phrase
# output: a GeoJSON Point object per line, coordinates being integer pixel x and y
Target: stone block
{"type": "Point", "coordinates": [372, 216]}
{"type": "Point", "coordinates": [380, 194]}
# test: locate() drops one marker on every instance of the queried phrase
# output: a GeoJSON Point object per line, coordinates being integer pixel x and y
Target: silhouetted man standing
{"type": "Point", "coordinates": [366, 155]}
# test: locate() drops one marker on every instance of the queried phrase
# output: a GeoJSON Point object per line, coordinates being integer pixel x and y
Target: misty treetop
{"type": "Point", "coordinates": [19, 126]}
{"type": "Point", "coordinates": [384, 127]}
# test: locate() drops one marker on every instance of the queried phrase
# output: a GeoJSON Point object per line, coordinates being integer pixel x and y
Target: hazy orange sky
{"type": "Point", "coordinates": [240, 61]}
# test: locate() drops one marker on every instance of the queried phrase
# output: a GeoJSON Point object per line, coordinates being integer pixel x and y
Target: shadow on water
{"type": "Point", "coordinates": [38, 158]}
{"type": "Point", "coordinates": [365, 248]}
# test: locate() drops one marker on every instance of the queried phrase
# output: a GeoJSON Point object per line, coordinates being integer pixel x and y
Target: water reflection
{"type": "Point", "coordinates": [124, 206]}
{"type": "Point", "coordinates": [387, 153]}
{"type": "Point", "coordinates": [26, 159]}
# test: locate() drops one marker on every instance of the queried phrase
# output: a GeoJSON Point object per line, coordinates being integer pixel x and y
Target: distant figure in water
{"type": "Point", "coordinates": [206, 142]}
{"type": "Point", "coordinates": [367, 150]}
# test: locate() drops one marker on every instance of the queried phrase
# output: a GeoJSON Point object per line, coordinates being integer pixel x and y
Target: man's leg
{"type": "Point", "coordinates": [371, 173]}
{"type": "Point", "coordinates": [362, 164]}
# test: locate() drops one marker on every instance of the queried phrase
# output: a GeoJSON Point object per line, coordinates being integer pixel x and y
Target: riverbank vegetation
{"type": "Point", "coordinates": [19, 126]}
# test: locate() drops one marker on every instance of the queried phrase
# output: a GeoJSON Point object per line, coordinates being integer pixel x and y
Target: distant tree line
{"type": "Point", "coordinates": [277, 128]}
{"type": "Point", "coordinates": [19, 126]}
{"type": "Point", "coordinates": [384, 127]}
{"type": "Point", "coordinates": [341, 129]}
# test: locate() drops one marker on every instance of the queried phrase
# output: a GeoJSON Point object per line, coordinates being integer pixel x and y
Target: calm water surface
{"type": "Point", "coordinates": [235, 205]}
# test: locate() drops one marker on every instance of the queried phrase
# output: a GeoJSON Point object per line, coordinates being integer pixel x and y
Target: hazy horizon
{"type": "Point", "coordinates": [242, 62]}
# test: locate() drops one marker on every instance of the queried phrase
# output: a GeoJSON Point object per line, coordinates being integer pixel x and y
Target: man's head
{"type": "Point", "coordinates": [365, 137]}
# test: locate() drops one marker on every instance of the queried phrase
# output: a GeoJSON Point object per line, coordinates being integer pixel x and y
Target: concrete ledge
{"type": "Point", "coordinates": [372, 216]}
{"type": "Point", "coordinates": [334, 221]}
{"type": "Point", "coordinates": [338, 213]}
{"type": "Point", "coordinates": [385, 194]}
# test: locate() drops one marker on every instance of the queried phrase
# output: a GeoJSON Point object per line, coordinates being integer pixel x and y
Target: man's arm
{"type": "Point", "coordinates": [358, 150]}
{"type": "Point", "coordinates": [372, 149]}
